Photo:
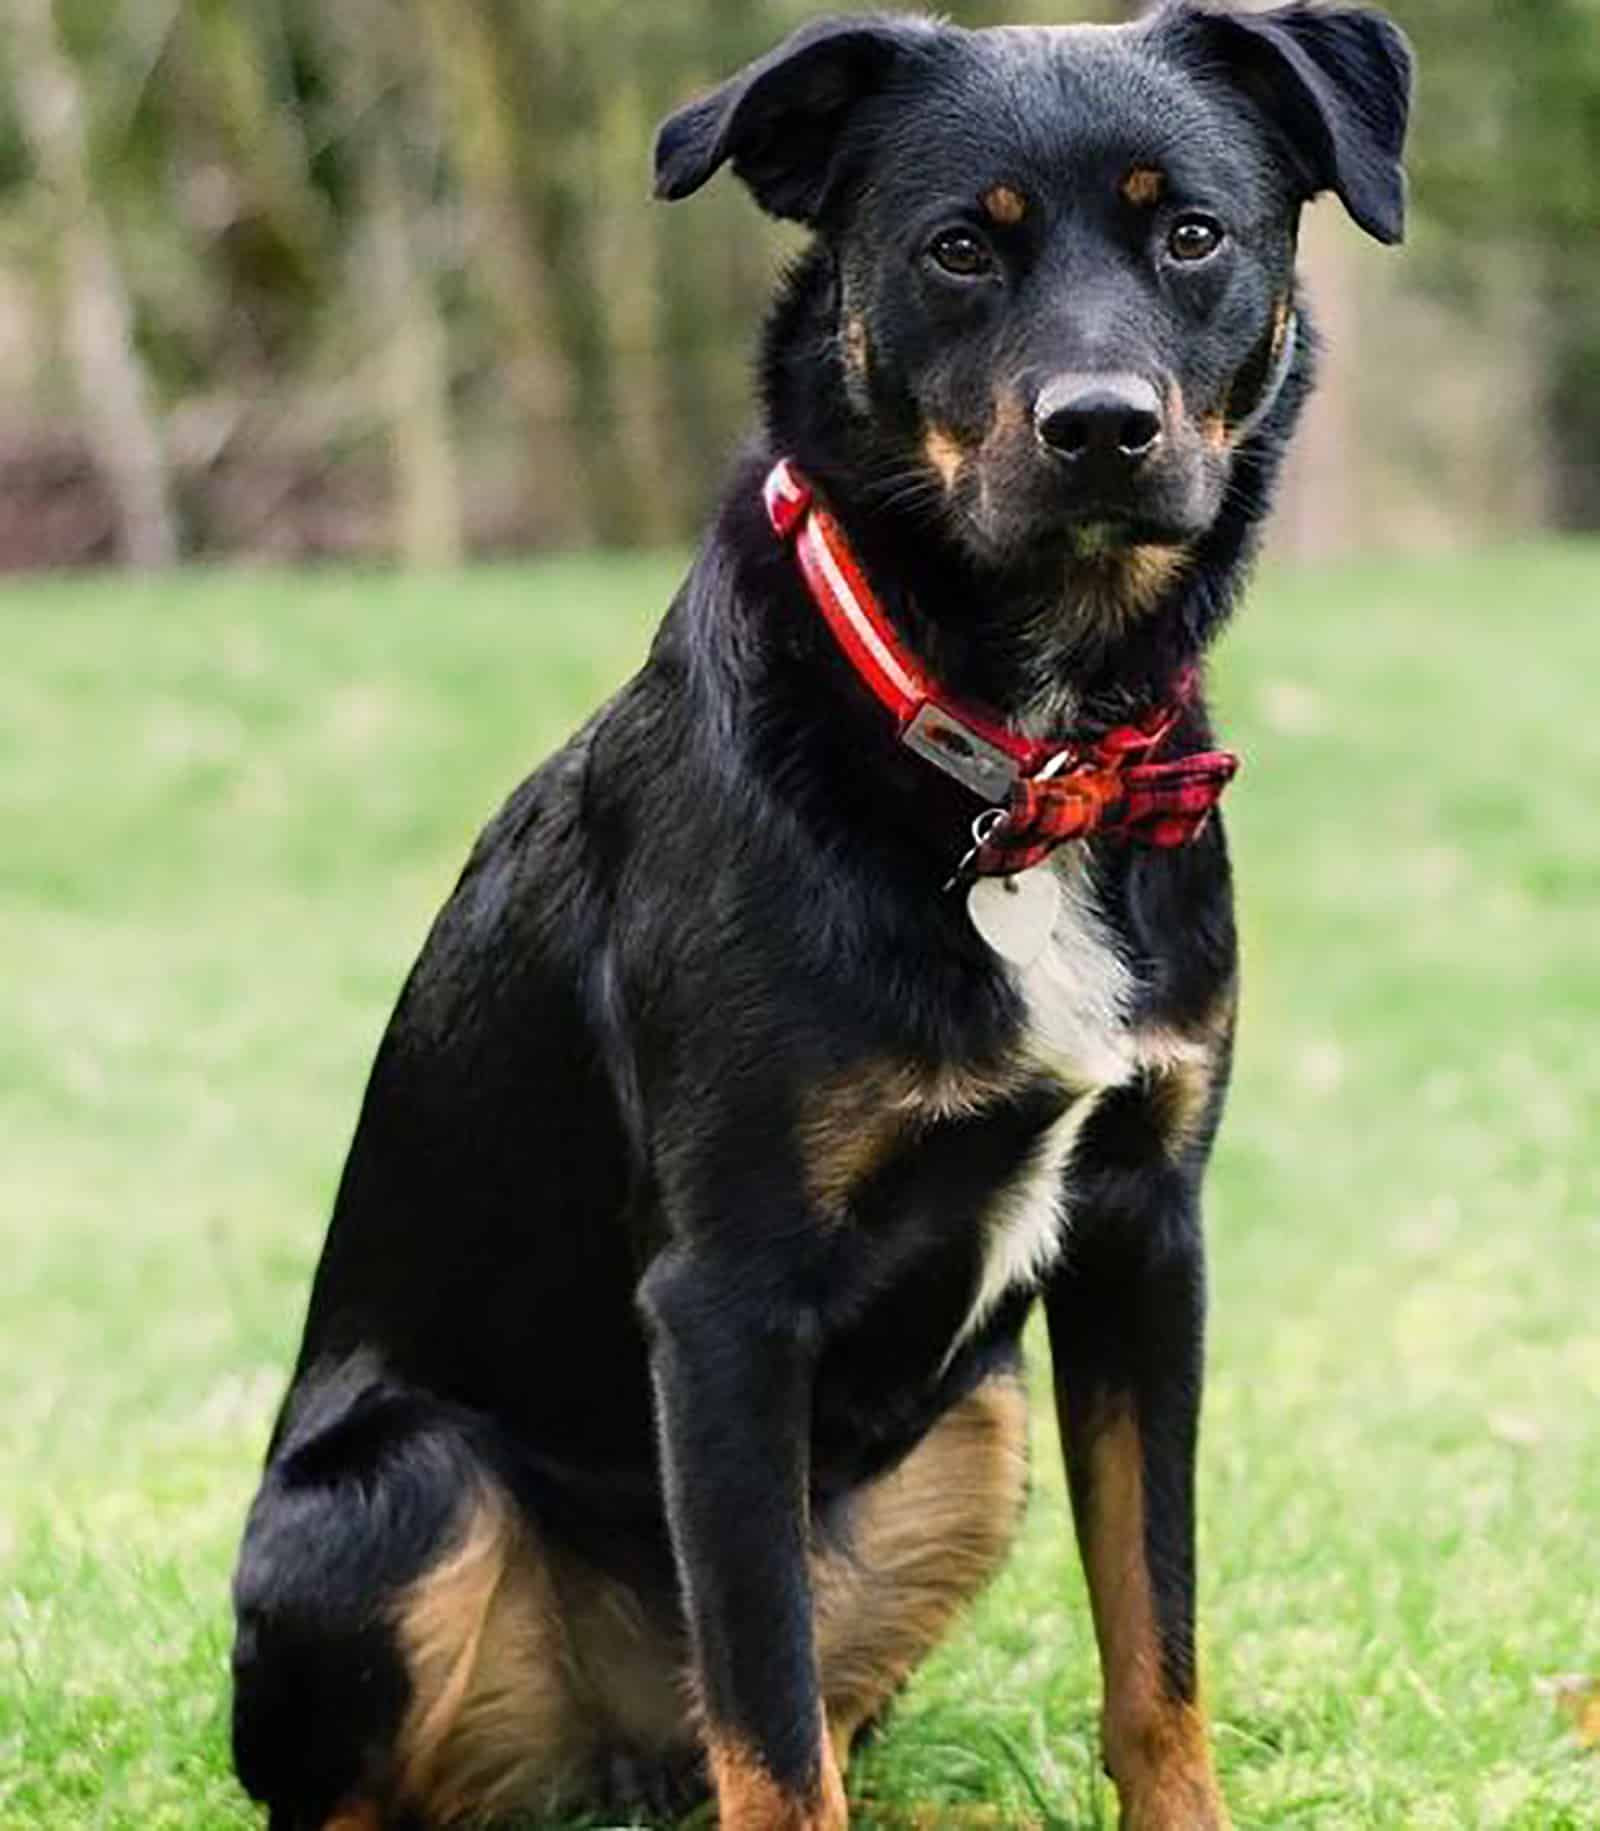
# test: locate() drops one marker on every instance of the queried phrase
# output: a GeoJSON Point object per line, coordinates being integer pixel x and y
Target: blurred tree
{"type": "Point", "coordinates": [1507, 158]}
{"type": "Point", "coordinates": [384, 275]}
{"type": "Point", "coordinates": [395, 147]}
{"type": "Point", "coordinates": [123, 427]}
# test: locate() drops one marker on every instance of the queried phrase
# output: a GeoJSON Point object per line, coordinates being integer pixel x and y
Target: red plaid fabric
{"type": "Point", "coordinates": [1155, 804]}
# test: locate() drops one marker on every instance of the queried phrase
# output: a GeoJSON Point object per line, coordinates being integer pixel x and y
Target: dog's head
{"type": "Point", "coordinates": [1064, 257]}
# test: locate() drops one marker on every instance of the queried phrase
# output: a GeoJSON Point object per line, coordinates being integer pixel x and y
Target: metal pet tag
{"type": "Point", "coordinates": [1016, 915]}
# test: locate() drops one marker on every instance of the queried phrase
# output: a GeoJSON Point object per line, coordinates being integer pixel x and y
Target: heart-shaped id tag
{"type": "Point", "coordinates": [1016, 915]}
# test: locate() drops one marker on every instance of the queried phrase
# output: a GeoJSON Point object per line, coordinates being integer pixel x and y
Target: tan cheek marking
{"type": "Point", "coordinates": [944, 454]}
{"type": "Point", "coordinates": [1005, 205]}
{"type": "Point", "coordinates": [857, 349]}
{"type": "Point", "coordinates": [1008, 438]}
{"type": "Point", "coordinates": [1009, 423]}
{"type": "Point", "coordinates": [1010, 415]}
{"type": "Point", "coordinates": [1144, 187]}
{"type": "Point", "coordinates": [1216, 428]}
{"type": "Point", "coordinates": [1213, 428]}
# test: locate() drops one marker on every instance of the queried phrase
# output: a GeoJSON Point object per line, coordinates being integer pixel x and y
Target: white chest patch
{"type": "Point", "coordinates": [1078, 994]}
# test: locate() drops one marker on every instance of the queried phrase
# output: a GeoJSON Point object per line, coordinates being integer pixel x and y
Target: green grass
{"type": "Point", "coordinates": [228, 807]}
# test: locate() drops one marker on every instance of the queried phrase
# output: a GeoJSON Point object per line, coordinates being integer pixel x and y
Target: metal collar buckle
{"type": "Point", "coordinates": [940, 738]}
{"type": "Point", "coordinates": [984, 828]}
{"type": "Point", "coordinates": [993, 821]}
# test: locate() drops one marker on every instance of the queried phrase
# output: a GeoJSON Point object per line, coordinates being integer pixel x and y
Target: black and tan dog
{"type": "Point", "coordinates": [660, 1402]}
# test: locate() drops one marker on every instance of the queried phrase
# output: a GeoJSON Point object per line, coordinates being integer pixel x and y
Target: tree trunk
{"type": "Point", "coordinates": [1318, 515]}
{"type": "Point", "coordinates": [1572, 396]}
{"type": "Point", "coordinates": [428, 520]}
{"type": "Point", "coordinates": [482, 85]}
{"type": "Point", "coordinates": [122, 427]}
{"type": "Point", "coordinates": [556, 92]}
{"type": "Point", "coordinates": [378, 88]}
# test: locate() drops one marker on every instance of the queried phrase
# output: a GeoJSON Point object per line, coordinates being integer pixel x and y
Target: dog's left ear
{"type": "Point", "coordinates": [780, 120]}
{"type": "Point", "coordinates": [1336, 83]}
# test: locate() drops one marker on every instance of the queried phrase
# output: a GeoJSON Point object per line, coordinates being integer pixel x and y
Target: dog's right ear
{"type": "Point", "coordinates": [780, 119]}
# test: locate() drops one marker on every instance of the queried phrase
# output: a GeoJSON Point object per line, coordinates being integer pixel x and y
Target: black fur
{"type": "Point", "coordinates": [574, 1251]}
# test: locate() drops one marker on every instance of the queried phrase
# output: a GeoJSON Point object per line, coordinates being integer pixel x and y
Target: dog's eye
{"type": "Point", "coordinates": [1195, 238]}
{"type": "Point", "coordinates": [961, 252]}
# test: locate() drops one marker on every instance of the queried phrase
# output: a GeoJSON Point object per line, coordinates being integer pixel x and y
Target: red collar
{"type": "Point", "coordinates": [1041, 793]}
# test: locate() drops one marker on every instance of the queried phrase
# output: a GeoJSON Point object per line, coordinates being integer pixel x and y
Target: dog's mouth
{"type": "Point", "coordinates": [1170, 504]}
{"type": "Point", "coordinates": [1093, 568]}
{"type": "Point", "coordinates": [1016, 512]}
{"type": "Point", "coordinates": [1104, 536]}
{"type": "Point", "coordinates": [1014, 531]}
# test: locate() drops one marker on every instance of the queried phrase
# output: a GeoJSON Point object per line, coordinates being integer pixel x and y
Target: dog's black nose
{"type": "Point", "coordinates": [1106, 423]}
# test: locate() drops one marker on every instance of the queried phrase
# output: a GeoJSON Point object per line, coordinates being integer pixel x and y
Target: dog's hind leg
{"type": "Point", "coordinates": [917, 1546]}
{"type": "Point", "coordinates": [401, 1658]}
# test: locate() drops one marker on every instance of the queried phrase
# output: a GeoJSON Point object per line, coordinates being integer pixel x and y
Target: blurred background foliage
{"type": "Point", "coordinates": [285, 278]}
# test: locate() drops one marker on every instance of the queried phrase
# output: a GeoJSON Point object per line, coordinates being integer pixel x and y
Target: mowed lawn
{"type": "Point", "coordinates": [228, 808]}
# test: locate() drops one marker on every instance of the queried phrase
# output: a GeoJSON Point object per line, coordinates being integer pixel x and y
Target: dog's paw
{"type": "Point", "coordinates": [1182, 1804]}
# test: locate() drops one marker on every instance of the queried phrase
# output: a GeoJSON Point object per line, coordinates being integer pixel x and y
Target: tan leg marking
{"type": "Point", "coordinates": [1156, 1746]}
{"type": "Point", "coordinates": [632, 1671]}
{"type": "Point", "coordinates": [922, 1542]}
{"type": "Point", "coordinates": [355, 1818]}
{"type": "Point", "coordinates": [495, 1721]}
{"type": "Point", "coordinates": [749, 1799]}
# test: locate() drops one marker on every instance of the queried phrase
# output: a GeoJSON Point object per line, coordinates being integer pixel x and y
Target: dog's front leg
{"type": "Point", "coordinates": [733, 1375]}
{"type": "Point", "coordinates": [1126, 1320]}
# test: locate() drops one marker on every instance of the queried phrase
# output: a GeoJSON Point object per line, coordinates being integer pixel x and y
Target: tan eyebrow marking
{"type": "Point", "coordinates": [1005, 205]}
{"type": "Point", "coordinates": [1144, 186]}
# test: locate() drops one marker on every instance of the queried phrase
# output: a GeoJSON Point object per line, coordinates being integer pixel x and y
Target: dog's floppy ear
{"type": "Point", "coordinates": [1336, 83]}
{"type": "Point", "coordinates": [779, 120]}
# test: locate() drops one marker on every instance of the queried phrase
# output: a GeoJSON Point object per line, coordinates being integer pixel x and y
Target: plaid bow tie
{"type": "Point", "coordinates": [1105, 791]}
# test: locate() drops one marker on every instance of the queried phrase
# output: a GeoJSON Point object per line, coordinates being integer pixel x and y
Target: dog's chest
{"type": "Point", "coordinates": [1077, 998]}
